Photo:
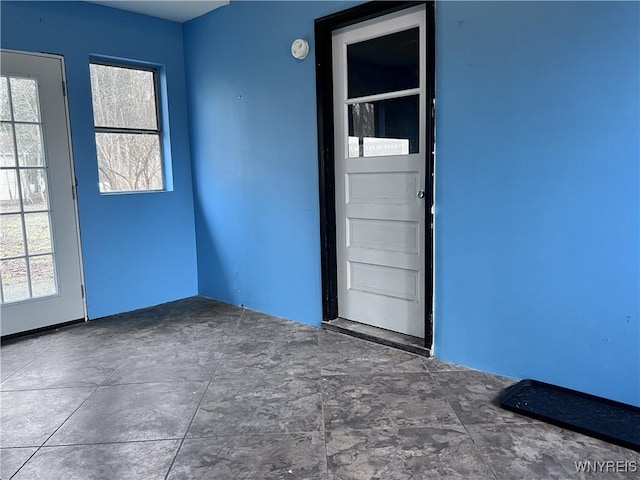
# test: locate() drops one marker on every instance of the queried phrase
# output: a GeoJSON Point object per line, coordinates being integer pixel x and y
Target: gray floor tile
{"type": "Point", "coordinates": [19, 352]}
{"type": "Point", "coordinates": [262, 327]}
{"type": "Point", "coordinates": [120, 413]}
{"type": "Point", "coordinates": [184, 331]}
{"type": "Point", "coordinates": [117, 330]}
{"type": "Point", "coordinates": [298, 357]}
{"type": "Point", "coordinates": [29, 417]}
{"type": "Point", "coordinates": [141, 317]}
{"type": "Point", "coordinates": [411, 453]}
{"type": "Point", "coordinates": [167, 364]}
{"type": "Point", "coordinates": [343, 355]}
{"type": "Point", "coordinates": [384, 401]}
{"type": "Point", "coordinates": [262, 457]}
{"type": "Point", "coordinates": [11, 459]}
{"type": "Point", "coordinates": [69, 367]}
{"type": "Point", "coordinates": [276, 386]}
{"type": "Point", "coordinates": [12, 361]}
{"type": "Point", "coordinates": [263, 404]}
{"type": "Point", "coordinates": [437, 365]}
{"type": "Point", "coordinates": [116, 461]}
{"type": "Point", "coordinates": [474, 395]}
{"type": "Point", "coordinates": [203, 308]}
{"type": "Point", "coordinates": [541, 451]}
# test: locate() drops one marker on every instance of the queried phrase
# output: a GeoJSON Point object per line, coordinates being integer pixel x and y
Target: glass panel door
{"type": "Point", "coordinates": [40, 268]}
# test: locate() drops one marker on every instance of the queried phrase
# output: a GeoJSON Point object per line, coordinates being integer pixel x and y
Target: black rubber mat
{"type": "Point", "coordinates": [598, 417]}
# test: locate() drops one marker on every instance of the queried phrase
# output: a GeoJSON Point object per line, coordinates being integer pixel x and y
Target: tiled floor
{"type": "Point", "coordinates": [197, 389]}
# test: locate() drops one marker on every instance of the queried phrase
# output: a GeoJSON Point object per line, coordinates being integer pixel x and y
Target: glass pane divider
{"type": "Point", "coordinates": [22, 122]}
{"type": "Point", "coordinates": [127, 131]}
{"type": "Point", "coordinates": [28, 167]}
{"type": "Point", "coordinates": [27, 257]}
{"type": "Point", "coordinates": [20, 193]}
{"type": "Point", "coordinates": [14, 257]}
{"type": "Point", "coordinates": [11, 118]}
{"type": "Point", "coordinates": [383, 96]}
{"type": "Point", "coordinates": [24, 211]}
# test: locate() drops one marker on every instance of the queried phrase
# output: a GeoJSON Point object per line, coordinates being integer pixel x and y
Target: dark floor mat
{"type": "Point", "coordinates": [598, 417]}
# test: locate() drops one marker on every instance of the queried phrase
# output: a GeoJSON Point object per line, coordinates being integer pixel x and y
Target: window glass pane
{"type": "Point", "coordinates": [386, 127]}
{"type": "Point", "coordinates": [42, 276]}
{"type": "Point", "coordinates": [9, 201]}
{"type": "Point", "coordinates": [384, 64]}
{"type": "Point", "coordinates": [123, 97]}
{"type": "Point", "coordinates": [129, 162]}
{"type": "Point", "coordinates": [29, 145]}
{"type": "Point", "coordinates": [35, 194]}
{"type": "Point", "coordinates": [15, 284]}
{"type": "Point", "coordinates": [5, 112]}
{"type": "Point", "coordinates": [11, 238]}
{"type": "Point", "coordinates": [7, 150]}
{"type": "Point", "coordinates": [38, 233]}
{"type": "Point", "coordinates": [24, 95]}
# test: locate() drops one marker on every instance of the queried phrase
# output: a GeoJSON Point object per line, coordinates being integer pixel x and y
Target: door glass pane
{"type": "Point", "coordinates": [386, 127]}
{"type": "Point", "coordinates": [24, 97]}
{"type": "Point", "coordinates": [7, 151]}
{"type": "Point", "coordinates": [29, 145]}
{"type": "Point", "coordinates": [9, 195]}
{"type": "Point", "coordinates": [42, 276]}
{"type": "Point", "coordinates": [384, 64]}
{"type": "Point", "coordinates": [38, 233]}
{"type": "Point", "coordinates": [5, 113]}
{"type": "Point", "coordinates": [11, 238]}
{"type": "Point", "coordinates": [34, 189]}
{"type": "Point", "coordinates": [15, 282]}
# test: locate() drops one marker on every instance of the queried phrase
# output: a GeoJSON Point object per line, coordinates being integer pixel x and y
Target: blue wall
{"type": "Point", "coordinates": [538, 198]}
{"type": "Point", "coordinates": [537, 244]}
{"type": "Point", "coordinates": [138, 249]}
{"type": "Point", "coordinates": [255, 163]}
{"type": "Point", "coordinates": [538, 175]}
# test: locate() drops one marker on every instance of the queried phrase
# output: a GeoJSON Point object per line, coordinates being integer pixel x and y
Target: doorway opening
{"type": "Point", "coordinates": [375, 81]}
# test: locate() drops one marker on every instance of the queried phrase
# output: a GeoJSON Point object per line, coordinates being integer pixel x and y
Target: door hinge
{"type": "Point", "coordinates": [64, 88]}
{"type": "Point", "coordinates": [433, 108]}
{"type": "Point", "coordinates": [82, 290]}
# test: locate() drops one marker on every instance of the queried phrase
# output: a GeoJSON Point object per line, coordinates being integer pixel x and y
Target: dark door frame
{"type": "Point", "coordinates": [324, 28]}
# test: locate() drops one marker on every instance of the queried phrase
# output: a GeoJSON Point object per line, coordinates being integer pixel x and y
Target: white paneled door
{"type": "Point", "coordinates": [379, 75]}
{"type": "Point", "coordinates": [40, 269]}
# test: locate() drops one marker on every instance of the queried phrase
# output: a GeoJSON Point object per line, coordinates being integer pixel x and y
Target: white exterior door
{"type": "Point", "coordinates": [40, 269]}
{"type": "Point", "coordinates": [379, 76]}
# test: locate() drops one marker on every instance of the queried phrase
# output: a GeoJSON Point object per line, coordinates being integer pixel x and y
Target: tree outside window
{"type": "Point", "coordinates": [125, 112]}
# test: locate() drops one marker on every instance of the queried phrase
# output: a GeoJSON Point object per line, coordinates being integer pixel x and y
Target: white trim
{"type": "Point", "coordinates": [384, 96]}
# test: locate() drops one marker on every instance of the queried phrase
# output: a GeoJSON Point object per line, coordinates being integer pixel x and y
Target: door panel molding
{"type": "Point", "coordinates": [324, 29]}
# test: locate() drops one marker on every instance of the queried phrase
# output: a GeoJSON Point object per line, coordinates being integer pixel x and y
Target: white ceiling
{"type": "Point", "coordinates": [175, 10]}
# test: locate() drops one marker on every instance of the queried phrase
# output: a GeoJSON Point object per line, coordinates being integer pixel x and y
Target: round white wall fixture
{"type": "Point", "coordinates": [300, 48]}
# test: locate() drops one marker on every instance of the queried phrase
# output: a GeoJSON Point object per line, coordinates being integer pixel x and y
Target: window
{"type": "Point", "coordinates": [128, 130]}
